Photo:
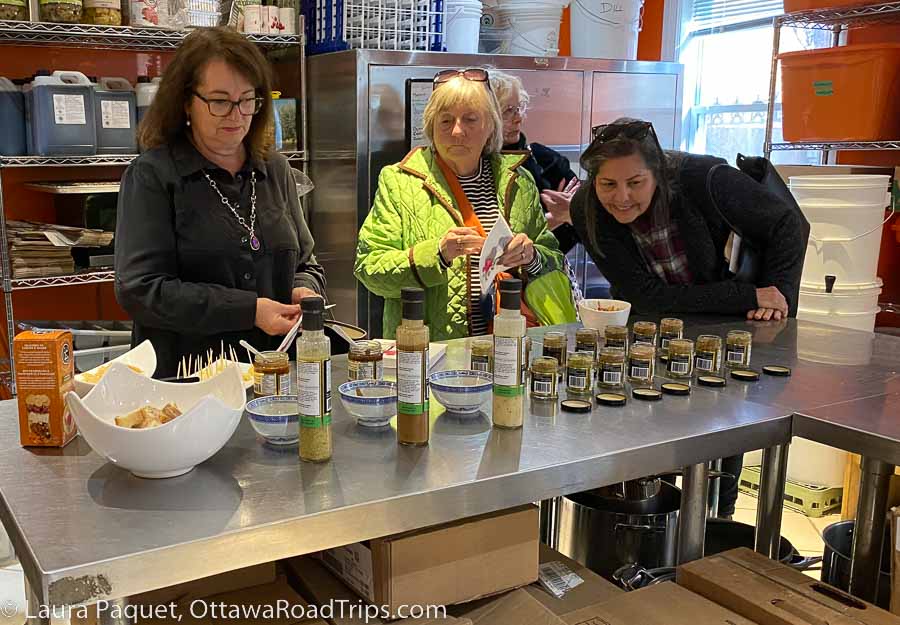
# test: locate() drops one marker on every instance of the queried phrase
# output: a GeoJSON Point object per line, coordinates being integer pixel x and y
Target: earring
{"type": "Point", "coordinates": [189, 121]}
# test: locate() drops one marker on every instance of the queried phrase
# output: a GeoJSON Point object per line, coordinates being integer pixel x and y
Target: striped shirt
{"type": "Point", "coordinates": [480, 191]}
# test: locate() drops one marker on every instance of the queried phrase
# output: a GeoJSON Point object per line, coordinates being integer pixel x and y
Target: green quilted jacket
{"type": "Point", "coordinates": [413, 209]}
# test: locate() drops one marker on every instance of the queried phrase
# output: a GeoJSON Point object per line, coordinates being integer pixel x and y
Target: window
{"type": "Point", "coordinates": [726, 49]}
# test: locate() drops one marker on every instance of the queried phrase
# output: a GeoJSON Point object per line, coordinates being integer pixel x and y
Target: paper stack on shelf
{"type": "Point", "coordinates": [39, 250]}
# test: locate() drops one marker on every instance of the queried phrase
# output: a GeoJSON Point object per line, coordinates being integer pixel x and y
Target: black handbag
{"type": "Point", "coordinates": [749, 261]}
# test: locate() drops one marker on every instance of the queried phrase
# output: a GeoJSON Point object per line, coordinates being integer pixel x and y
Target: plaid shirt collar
{"type": "Point", "coordinates": [658, 237]}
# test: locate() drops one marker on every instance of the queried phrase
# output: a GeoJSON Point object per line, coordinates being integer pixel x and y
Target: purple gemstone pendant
{"type": "Point", "coordinates": [254, 243]}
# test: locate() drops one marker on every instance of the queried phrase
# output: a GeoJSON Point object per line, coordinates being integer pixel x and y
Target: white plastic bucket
{"type": "Point", "coordinates": [812, 463]}
{"type": "Point", "coordinates": [864, 321]}
{"type": "Point", "coordinates": [848, 298]}
{"type": "Point", "coordinates": [535, 33]}
{"type": "Point", "coordinates": [606, 30]}
{"type": "Point", "coordinates": [846, 216]}
{"type": "Point", "coordinates": [463, 26]}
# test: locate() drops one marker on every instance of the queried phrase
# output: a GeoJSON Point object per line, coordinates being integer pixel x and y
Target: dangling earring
{"type": "Point", "coordinates": [189, 121]}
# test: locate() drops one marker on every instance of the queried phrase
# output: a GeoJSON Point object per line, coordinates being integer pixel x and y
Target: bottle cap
{"type": "Point", "coordinates": [611, 399]}
{"type": "Point", "coordinates": [646, 394]}
{"type": "Point", "coordinates": [413, 303]}
{"type": "Point", "coordinates": [510, 294]}
{"type": "Point", "coordinates": [576, 405]}
{"type": "Point", "coordinates": [777, 371]}
{"type": "Point", "coordinates": [313, 309]}
{"type": "Point", "coordinates": [745, 375]}
{"type": "Point", "coordinates": [711, 380]}
{"type": "Point", "coordinates": [676, 388]}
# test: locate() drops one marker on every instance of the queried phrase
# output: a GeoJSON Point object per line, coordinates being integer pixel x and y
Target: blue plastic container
{"type": "Point", "coordinates": [115, 109]}
{"type": "Point", "coordinates": [12, 119]}
{"type": "Point", "coordinates": [60, 115]}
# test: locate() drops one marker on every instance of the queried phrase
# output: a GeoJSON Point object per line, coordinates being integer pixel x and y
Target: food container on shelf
{"type": "Point", "coordinates": [103, 12]}
{"type": "Point", "coordinates": [847, 93]}
{"type": "Point", "coordinates": [149, 13]}
{"type": "Point", "coordinates": [615, 313]}
{"type": "Point", "coordinates": [61, 11]}
{"type": "Point", "coordinates": [210, 413]}
{"type": "Point", "coordinates": [12, 118]}
{"type": "Point", "coordinates": [115, 106]}
{"type": "Point", "coordinates": [14, 10]}
{"type": "Point", "coordinates": [60, 115]}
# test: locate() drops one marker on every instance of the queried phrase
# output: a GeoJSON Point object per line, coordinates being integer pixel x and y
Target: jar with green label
{"type": "Point", "coordinates": [641, 364]}
{"type": "Point", "coordinates": [580, 373]}
{"type": "Point", "coordinates": [61, 11]}
{"type": "Point", "coordinates": [314, 383]}
{"type": "Point", "coordinates": [544, 374]}
{"type": "Point", "coordinates": [14, 10]}
{"type": "Point", "coordinates": [616, 336]}
{"type": "Point", "coordinates": [611, 368]}
{"type": "Point", "coordinates": [681, 358]}
{"type": "Point", "coordinates": [669, 329]}
{"type": "Point", "coordinates": [708, 354]}
{"type": "Point", "coordinates": [738, 344]}
{"type": "Point", "coordinates": [643, 332]}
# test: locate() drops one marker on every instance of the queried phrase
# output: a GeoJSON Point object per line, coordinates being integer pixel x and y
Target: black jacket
{"type": "Point", "coordinates": [185, 271]}
{"type": "Point", "coordinates": [764, 219]}
{"type": "Point", "coordinates": [548, 168]}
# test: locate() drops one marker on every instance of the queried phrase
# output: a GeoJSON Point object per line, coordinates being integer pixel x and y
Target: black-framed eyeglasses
{"type": "Point", "coordinates": [636, 130]}
{"type": "Point", "coordinates": [219, 107]}
{"type": "Point", "coordinates": [475, 74]}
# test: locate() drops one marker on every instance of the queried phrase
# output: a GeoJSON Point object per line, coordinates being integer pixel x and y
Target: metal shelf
{"type": "Point", "coordinates": [848, 17]}
{"type": "Point", "coordinates": [114, 37]}
{"type": "Point", "coordinates": [836, 145]}
{"type": "Point", "coordinates": [93, 161]}
{"type": "Point", "coordinates": [73, 188]}
{"type": "Point", "coordinates": [94, 277]}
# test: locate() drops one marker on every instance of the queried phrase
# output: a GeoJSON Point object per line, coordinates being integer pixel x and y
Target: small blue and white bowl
{"type": "Point", "coordinates": [373, 403]}
{"type": "Point", "coordinates": [276, 418]}
{"type": "Point", "coordinates": [462, 391]}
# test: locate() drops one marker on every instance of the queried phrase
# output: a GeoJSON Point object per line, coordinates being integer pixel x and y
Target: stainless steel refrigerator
{"type": "Point", "coordinates": [364, 110]}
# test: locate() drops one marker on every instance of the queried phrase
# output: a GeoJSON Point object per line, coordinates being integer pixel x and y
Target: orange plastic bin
{"type": "Point", "coordinates": [791, 6]}
{"type": "Point", "coordinates": [849, 93]}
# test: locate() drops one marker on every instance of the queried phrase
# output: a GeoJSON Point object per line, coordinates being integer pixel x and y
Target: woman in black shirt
{"type": "Point", "coordinates": [211, 243]}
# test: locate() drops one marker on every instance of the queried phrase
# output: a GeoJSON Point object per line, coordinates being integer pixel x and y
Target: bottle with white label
{"type": "Point", "coordinates": [115, 109]}
{"type": "Point", "coordinates": [412, 370]}
{"type": "Point", "coordinates": [314, 383]}
{"type": "Point", "coordinates": [60, 111]}
{"type": "Point", "coordinates": [509, 352]}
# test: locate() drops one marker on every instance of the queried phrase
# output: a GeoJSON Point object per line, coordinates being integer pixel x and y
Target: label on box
{"type": "Point", "coordinates": [353, 564]}
{"type": "Point", "coordinates": [69, 109]}
{"type": "Point", "coordinates": [558, 579]}
{"type": "Point", "coordinates": [115, 114]}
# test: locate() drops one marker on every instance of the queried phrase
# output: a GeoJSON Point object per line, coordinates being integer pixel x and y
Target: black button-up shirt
{"type": "Point", "coordinates": [185, 271]}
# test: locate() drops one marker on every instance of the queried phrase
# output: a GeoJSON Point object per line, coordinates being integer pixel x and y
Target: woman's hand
{"type": "Point", "coordinates": [275, 318]}
{"type": "Point", "coordinates": [459, 242]}
{"type": "Point", "coordinates": [519, 251]}
{"type": "Point", "coordinates": [771, 305]}
{"type": "Point", "coordinates": [300, 292]}
{"type": "Point", "coordinates": [557, 203]}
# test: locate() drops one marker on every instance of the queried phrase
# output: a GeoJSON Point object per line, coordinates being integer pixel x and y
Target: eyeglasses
{"type": "Point", "coordinates": [637, 130]}
{"type": "Point", "coordinates": [475, 74]}
{"type": "Point", "coordinates": [223, 108]}
{"type": "Point", "coordinates": [510, 112]}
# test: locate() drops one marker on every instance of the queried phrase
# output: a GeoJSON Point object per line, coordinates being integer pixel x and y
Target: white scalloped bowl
{"type": "Point", "coordinates": [211, 413]}
{"type": "Point", "coordinates": [143, 357]}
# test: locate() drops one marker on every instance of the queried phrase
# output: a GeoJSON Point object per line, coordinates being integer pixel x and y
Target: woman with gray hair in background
{"type": "Point", "coordinates": [432, 211]}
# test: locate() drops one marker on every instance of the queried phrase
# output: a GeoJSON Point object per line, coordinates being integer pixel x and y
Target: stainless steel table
{"type": "Point", "coordinates": [85, 530]}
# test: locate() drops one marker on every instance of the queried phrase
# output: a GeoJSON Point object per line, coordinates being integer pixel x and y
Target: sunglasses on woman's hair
{"type": "Point", "coordinates": [475, 74]}
{"type": "Point", "coordinates": [636, 130]}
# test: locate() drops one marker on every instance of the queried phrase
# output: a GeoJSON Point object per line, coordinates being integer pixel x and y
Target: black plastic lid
{"type": "Point", "coordinates": [745, 375]}
{"type": "Point", "coordinates": [413, 303]}
{"type": "Point", "coordinates": [313, 313]}
{"type": "Point", "coordinates": [19, 82]}
{"type": "Point", "coordinates": [777, 370]}
{"type": "Point", "coordinates": [43, 72]}
{"type": "Point", "coordinates": [711, 380]}
{"type": "Point", "coordinates": [676, 388]}
{"type": "Point", "coordinates": [576, 405]}
{"type": "Point", "coordinates": [611, 399]}
{"type": "Point", "coordinates": [511, 294]}
{"type": "Point", "coordinates": [142, 79]}
{"type": "Point", "coordinates": [646, 394]}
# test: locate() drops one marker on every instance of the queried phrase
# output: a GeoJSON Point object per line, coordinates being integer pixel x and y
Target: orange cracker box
{"type": "Point", "coordinates": [45, 372]}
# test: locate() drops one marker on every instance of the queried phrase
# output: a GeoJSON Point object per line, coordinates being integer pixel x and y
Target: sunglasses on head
{"type": "Point", "coordinates": [636, 130]}
{"type": "Point", "coordinates": [475, 74]}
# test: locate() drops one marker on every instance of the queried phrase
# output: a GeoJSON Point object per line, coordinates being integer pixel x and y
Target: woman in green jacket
{"type": "Point", "coordinates": [431, 212]}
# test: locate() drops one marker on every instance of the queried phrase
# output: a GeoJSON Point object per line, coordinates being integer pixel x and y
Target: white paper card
{"type": "Point", "coordinates": [558, 579]}
{"type": "Point", "coordinates": [489, 261]}
{"type": "Point", "coordinates": [115, 114]}
{"type": "Point", "coordinates": [69, 109]}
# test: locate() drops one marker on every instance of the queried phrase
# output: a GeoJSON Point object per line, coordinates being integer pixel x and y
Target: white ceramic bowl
{"type": "Point", "coordinates": [372, 402]}
{"type": "Point", "coordinates": [462, 391]}
{"type": "Point", "coordinates": [599, 319]}
{"type": "Point", "coordinates": [143, 357]}
{"type": "Point", "coordinates": [211, 411]}
{"type": "Point", "coordinates": [276, 418]}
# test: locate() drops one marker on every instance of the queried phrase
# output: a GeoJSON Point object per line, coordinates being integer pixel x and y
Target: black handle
{"type": "Point", "coordinates": [829, 283]}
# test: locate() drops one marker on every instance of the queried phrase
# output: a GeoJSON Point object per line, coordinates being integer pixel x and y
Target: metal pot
{"type": "Point", "coordinates": [838, 539]}
{"type": "Point", "coordinates": [640, 489]}
{"type": "Point", "coordinates": [605, 532]}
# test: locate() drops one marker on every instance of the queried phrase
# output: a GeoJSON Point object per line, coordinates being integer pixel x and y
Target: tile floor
{"type": "Point", "coordinates": [803, 532]}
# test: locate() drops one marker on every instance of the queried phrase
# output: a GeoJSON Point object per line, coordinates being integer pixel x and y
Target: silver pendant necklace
{"type": "Point", "coordinates": [254, 241]}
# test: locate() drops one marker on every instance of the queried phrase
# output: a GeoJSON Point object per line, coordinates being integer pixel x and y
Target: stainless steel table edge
{"type": "Point", "coordinates": [129, 575]}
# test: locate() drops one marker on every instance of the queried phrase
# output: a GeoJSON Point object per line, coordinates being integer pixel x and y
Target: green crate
{"type": "Point", "coordinates": [813, 501]}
